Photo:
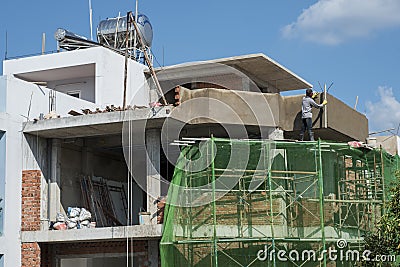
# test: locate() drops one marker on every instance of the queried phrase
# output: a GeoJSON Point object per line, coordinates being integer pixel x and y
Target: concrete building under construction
{"type": "Point", "coordinates": [89, 128]}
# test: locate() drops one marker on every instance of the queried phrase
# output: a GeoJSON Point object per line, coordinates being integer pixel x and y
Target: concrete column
{"type": "Point", "coordinates": [54, 187]}
{"type": "Point", "coordinates": [86, 155]}
{"type": "Point", "coordinates": [153, 143]}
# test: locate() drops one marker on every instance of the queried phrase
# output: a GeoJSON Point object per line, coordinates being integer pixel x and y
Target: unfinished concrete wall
{"type": "Point", "coordinates": [230, 107]}
{"type": "Point", "coordinates": [76, 161]}
{"type": "Point", "coordinates": [343, 122]}
{"type": "Point", "coordinates": [390, 143]}
{"type": "Point", "coordinates": [346, 120]}
{"type": "Point", "coordinates": [272, 110]}
{"type": "Point", "coordinates": [72, 170]}
{"type": "Point", "coordinates": [100, 164]}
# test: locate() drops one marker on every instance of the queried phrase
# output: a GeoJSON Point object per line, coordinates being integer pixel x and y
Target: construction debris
{"type": "Point", "coordinates": [74, 113]}
{"type": "Point", "coordinates": [51, 115]}
{"type": "Point", "coordinates": [78, 218]}
{"type": "Point", "coordinates": [110, 108]}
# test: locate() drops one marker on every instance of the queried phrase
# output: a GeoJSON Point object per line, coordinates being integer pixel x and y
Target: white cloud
{"type": "Point", "coordinates": [335, 21]}
{"type": "Point", "coordinates": [385, 113]}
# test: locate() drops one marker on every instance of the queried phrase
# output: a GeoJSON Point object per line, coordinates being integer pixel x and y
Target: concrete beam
{"type": "Point", "coordinates": [94, 124]}
{"type": "Point", "coordinates": [153, 145]}
{"type": "Point", "coordinates": [136, 232]}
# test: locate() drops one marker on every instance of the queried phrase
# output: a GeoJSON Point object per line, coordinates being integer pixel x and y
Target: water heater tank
{"type": "Point", "coordinates": [112, 31]}
{"type": "Point", "coordinates": [61, 34]}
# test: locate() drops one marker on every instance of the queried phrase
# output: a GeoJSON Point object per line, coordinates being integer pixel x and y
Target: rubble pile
{"type": "Point", "coordinates": [77, 218]}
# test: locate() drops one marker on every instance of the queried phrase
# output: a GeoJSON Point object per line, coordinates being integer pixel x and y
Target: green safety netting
{"type": "Point", "coordinates": [232, 200]}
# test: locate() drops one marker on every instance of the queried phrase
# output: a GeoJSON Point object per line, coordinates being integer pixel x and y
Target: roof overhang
{"type": "Point", "coordinates": [64, 73]}
{"type": "Point", "coordinates": [264, 71]}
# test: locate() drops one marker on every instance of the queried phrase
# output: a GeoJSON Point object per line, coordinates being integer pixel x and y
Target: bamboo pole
{"type": "Point", "coordinates": [215, 258]}
{"type": "Point", "coordinates": [355, 201]}
{"type": "Point", "coordinates": [128, 15]}
{"type": "Point", "coordinates": [150, 65]}
{"type": "Point", "coordinates": [321, 198]}
{"type": "Point", "coordinates": [271, 209]}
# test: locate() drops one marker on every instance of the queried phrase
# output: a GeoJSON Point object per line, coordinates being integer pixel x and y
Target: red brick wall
{"type": "Point", "coordinates": [30, 253]}
{"type": "Point", "coordinates": [31, 180]}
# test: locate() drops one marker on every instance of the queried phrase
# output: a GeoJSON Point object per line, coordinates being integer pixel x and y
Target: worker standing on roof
{"type": "Point", "coordinates": [306, 113]}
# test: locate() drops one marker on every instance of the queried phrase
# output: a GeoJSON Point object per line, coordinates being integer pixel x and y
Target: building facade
{"type": "Point", "coordinates": [66, 141]}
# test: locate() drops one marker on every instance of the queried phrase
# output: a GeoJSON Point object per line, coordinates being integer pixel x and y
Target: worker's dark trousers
{"type": "Point", "coordinates": [307, 124]}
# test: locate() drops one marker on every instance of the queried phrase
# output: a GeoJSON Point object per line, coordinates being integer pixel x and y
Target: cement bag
{"type": "Point", "coordinates": [71, 225]}
{"type": "Point", "coordinates": [74, 219]}
{"type": "Point", "coordinates": [60, 217]}
{"type": "Point", "coordinates": [85, 223]}
{"type": "Point", "coordinates": [85, 215]}
{"type": "Point", "coordinates": [73, 212]}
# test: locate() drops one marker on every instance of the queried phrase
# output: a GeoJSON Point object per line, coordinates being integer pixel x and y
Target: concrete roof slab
{"type": "Point", "coordinates": [95, 124]}
{"type": "Point", "coordinates": [260, 68]}
{"type": "Point", "coordinates": [72, 72]}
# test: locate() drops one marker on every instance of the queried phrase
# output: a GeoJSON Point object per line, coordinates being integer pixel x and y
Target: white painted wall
{"type": "Point", "coordinates": [108, 76]}
{"type": "Point", "coordinates": [23, 101]}
{"type": "Point", "coordinates": [3, 96]}
{"type": "Point", "coordinates": [2, 177]}
{"type": "Point", "coordinates": [86, 87]}
{"type": "Point", "coordinates": [20, 93]}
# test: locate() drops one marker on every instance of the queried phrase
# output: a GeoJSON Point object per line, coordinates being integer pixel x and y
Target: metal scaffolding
{"type": "Point", "coordinates": [239, 202]}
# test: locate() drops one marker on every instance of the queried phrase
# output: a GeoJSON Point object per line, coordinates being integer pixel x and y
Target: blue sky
{"type": "Point", "coordinates": [353, 43]}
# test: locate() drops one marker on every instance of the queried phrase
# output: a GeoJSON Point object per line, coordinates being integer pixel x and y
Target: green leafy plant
{"type": "Point", "coordinates": [386, 239]}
